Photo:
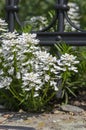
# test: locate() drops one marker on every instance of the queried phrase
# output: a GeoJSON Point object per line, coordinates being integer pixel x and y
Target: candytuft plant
{"type": "Point", "coordinates": [30, 75]}
{"type": "Point", "coordinates": [27, 72]}
{"type": "Point", "coordinates": [68, 71]}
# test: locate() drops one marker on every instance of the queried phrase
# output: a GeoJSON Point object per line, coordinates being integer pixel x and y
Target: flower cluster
{"type": "Point", "coordinates": [3, 25]}
{"type": "Point", "coordinates": [67, 62]}
{"type": "Point", "coordinates": [38, 22]}
{"type": "Point", "coordinates": [22, 59]}
{"type": "Point", "coordinates": [73, 14]}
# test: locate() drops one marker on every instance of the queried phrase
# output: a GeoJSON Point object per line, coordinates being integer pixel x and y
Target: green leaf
{"type": "Point", "coordinates": [71, 91]}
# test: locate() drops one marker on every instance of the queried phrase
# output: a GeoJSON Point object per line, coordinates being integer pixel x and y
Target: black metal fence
{"type": "Point", "coordinates": [49, 38]}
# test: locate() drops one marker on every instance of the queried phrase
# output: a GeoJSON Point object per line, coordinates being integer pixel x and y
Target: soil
{"type": "Point", "coordinates": [80, 100]}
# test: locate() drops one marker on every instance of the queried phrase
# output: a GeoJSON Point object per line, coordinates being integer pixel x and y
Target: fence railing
{"type": "Point", "coordinates": [49, 38]}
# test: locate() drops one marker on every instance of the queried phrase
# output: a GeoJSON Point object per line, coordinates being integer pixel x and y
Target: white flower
{"type": "Point", "coordinates": [74, 15]}
{"type": "Point", "coordinates": [2, 22]}
{"type": "Point", "coordinates": [18, 75]}
{"type": "Point", "coordinates": [10, 35]}
{"type": "Point", "coordinates": [67, 62]}
{"type": "Point", "coordinates": [53, 70]}
{"type": "Point", "coordinates": [27, 89]}
{"type": "Point", "coordinates": [55, 88]}
{"type": "Point", "coordinates": [36, 94]}
{"type": "Point", "coordinates": [73, 68]}
{"type": "Point", "coordinates": [54, 84]}
{"type": "Point", "coordinates": [3, 26]}
{"type": "Point", "coordinates": [0, 50]}
{"type": "Point", "coordinates": [34, 21]}
{"type": "Point", "coordinates": [47, 78]}
{"type": "Point", "coordinates": [45, 57]}
{"type": "Point", "coordinates": [10, 58]}
{"type": "Point", "coordinates": [68, 57]}
{"type": "Point", "coordinates": [5, 82]}
{"type": "Point", "coordinates": [1, 72]}
{"type": "Point", "coordinates": [28, 38]}
{"type": "Point", "coordinates": [11, 71]}
{"type": "Point", "coordinates": [76, 62]}
{"type": "Point", "coordinates": [46, 68]}
{"type": "Point", "coordinates": [59, 63]}
{"type": "Point", "coordinates": [37, 87]}
{"type": "Point", "coordinates": [32, 77]}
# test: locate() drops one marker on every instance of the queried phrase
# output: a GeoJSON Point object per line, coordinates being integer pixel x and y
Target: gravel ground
{"type": "Point", "coordinates": [57, 120]}
{"type": "Point", "coordinates": [70, 117]}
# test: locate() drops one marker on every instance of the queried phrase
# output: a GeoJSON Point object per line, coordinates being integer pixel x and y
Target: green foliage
{"type": "Point", "coordinates": [81, 53]}
{"type": "Point", "coordinates": [71, 82]}
{"type": "Point", "coordinates": [2, 9]}
{"type": "Point", "coordinates": [35, 8]}
{"type": "Point", "coordinates": [63, 48]}
{"type": "Point", "coordinates": [82, 11]}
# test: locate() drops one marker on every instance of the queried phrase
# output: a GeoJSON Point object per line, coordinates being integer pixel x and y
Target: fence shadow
{"type": "Point", "coordinates": [8, 127]}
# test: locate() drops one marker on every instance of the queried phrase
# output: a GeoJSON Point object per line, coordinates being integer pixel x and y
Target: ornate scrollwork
{"type": "Point", "coordinates": [46, 37]}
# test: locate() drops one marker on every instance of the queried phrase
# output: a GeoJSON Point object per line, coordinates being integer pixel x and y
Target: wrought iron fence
{"type": "Point", "coordinates": [77, 38]}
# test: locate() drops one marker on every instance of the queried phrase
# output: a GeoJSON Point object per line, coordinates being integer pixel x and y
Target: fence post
{"type": "Point", "coordinates": [11, 8]}
{"type": "Point", "coordinates": [61, 7]}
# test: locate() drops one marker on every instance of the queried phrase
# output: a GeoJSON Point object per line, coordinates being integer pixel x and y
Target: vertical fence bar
{"type": "Point", "coordinates": [60, 16]}
{"type": "Point", "coordinates": [11, 17]}
{"type": "Point", "coordinates": [10, 14]}
{"type": "Point", "coordinates": [11, 8]}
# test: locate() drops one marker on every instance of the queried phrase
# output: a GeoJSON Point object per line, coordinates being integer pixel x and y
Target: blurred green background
{"type": "Point", "coordinates": [29, 8]}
